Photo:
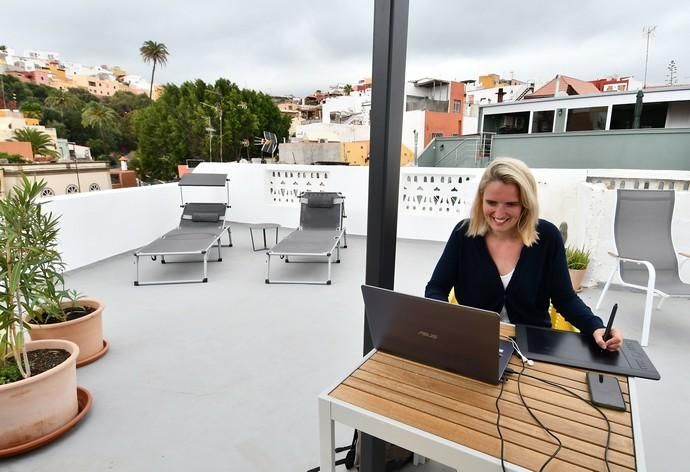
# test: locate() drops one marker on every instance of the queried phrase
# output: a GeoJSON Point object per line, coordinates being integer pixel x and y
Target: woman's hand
{"type": "Point", "coordinates": [613, 344]}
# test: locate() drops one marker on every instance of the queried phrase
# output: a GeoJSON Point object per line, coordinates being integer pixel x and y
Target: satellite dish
{"type": "Point", "coordinates": [269, 143]}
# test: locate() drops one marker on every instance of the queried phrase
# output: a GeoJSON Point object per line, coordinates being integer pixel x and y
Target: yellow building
{"type": "Point", "coordinates": [96, 86]}
{"type": "Point", "coordinates": [356, 153]}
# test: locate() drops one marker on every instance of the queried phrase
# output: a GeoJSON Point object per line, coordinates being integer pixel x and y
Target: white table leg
{"type": "Point", "coordinates": [326, 436]}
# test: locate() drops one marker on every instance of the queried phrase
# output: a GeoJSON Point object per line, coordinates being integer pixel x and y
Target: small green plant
{"type": "Point", "coordinates": [30, 268]}
{"type": "Point", "coordinates": [577, 258]}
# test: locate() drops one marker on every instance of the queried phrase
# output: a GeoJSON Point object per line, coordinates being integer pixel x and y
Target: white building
{"type": "Point", "coordinates": [478, 96]}
{"type": "Point", "coordinates": [662, 107]}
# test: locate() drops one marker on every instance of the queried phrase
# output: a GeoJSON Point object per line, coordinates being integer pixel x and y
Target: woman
{"type": "Point", "coordinates": [505, 259]}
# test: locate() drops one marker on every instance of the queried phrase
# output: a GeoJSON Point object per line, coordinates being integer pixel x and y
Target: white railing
{"type": "Point", "coordinates": [99, 225]}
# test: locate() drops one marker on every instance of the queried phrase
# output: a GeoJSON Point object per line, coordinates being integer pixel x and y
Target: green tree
{"type": "Point", "coordinates": [31, 109]}
{"type": "Point", "coordinates": [172, 129]}
{"type": "Point", "coordinates": [154, 52]}
{"type": "Point", "coordinates": [62, 100]}
{"type": "Point", "coordinates": [98, 116]}
{"type": "Point", "coordinates": [126, 102]}
{"type": "Point", "coordinates": [347, 89]}
{"type": "Point", "coordinates": [41, 144]}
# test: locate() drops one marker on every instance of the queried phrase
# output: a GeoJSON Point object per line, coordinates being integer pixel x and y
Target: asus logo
{"type": "Point", "coordinates": [427, 335]}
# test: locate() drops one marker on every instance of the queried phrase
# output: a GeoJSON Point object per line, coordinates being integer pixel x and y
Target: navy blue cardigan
{"type": "Point", "coordinates": [541, 275]}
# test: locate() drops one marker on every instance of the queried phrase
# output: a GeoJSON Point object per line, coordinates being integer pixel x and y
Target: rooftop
{"type": "Point", "coordinates": [225, 375]}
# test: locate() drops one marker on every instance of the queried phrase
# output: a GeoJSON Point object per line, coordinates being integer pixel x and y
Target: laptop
{"type": "Point", "coordinates": [456, 338]}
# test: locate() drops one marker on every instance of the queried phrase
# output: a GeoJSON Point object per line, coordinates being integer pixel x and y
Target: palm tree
{"type": "Point", "coordinates": [347, 89]}
{"type": "Point", "coordinates": [97, 115]}
{"type": "Point", "coordinates": [157, 53]}
{"type": "Point", "coordinates": [62, 100]}
{"type": "Point", "coordinates": [41, 144]}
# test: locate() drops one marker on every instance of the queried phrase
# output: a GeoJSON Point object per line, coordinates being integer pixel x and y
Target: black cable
{"type": "Point", "coordinates": [529, 410]}
{"type": "Point", "coordinates": [554, 384]}
{"type": "Point", "coordinates": [498, 419]}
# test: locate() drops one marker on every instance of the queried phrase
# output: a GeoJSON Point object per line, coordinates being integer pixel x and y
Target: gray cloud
{"type": "Point", "coordinates": [298, 46]}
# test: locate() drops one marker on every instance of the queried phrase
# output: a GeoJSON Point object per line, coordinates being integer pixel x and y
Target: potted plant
{"type": "Point", "coordinates": [62, 313]}
{"type": "Point", "coordinates": [578, 261]}
{"type": "Point", "coordinates": [38, 389]}
{"type": "Point", "coordinates": [66, 315]}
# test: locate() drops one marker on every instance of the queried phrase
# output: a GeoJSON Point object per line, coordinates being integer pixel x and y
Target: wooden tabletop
{"type": "Point", "coordinates": [464, 411]}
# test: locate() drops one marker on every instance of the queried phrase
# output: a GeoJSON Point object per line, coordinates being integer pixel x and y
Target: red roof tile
{"type": "Point", "coordinates": [580, 87]}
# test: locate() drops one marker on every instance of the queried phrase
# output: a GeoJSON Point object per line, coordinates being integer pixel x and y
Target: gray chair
{"type": "Point", "coordinates": [645, 256]}
{"type": "Point", "coordinates": [318, 237]}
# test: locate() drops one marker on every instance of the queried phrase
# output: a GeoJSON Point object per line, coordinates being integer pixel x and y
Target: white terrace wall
{"type": "Point", "coordinates": [98, 225]}
{"type": "Point", "coordinates": [432, 200]}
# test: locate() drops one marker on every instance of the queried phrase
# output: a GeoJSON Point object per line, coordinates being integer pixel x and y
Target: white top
{"type": "Point", "coordinates": [505, 279]}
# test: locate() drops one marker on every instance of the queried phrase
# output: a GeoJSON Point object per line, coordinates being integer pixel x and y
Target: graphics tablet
{"type": "Point", "coordinates": [577, 350]}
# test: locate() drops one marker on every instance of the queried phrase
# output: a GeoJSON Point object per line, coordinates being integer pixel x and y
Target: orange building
{"type": "Point", "coordinates": [433, 108]}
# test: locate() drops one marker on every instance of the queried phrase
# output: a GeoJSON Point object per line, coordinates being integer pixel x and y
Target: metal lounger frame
{"type": "Point", "coordinates": [216, 241]}
{"type": "Point", "coordinates": [328, 255]}
{"type": "Point", "coordinates": [331, 227]}
{"type": "Point", "coordinates": [203, 222]}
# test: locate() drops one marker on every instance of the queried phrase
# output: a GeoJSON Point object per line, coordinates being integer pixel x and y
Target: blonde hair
{"type": "Point", "coordinates": [508, 171]}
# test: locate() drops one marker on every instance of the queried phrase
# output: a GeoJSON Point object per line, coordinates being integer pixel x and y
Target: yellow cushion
{"type": "Point", "coordinates": [451, 297]}
{"type": "Point", "coordinates": [558, 322]}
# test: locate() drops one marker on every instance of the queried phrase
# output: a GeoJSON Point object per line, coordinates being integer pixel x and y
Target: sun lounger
{"type": "Point", "coordinates": [201, 227]}
{"type": "Point", "coordinates": [318, 237]}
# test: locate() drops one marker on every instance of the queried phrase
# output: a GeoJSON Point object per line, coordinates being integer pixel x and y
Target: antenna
{"type": "Point", "coordinates": [648, 30]}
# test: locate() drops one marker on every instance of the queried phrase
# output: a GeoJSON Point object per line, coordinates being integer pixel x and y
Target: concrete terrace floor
{"type": "Point", "coordinates": [224, 376]}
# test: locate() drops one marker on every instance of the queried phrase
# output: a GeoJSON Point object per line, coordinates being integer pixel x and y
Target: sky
{"type": "Point", "coordinates": [294, 47]}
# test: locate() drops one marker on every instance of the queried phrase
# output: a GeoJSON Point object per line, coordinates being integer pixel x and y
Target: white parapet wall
{"type": "Point", "coordinates": [98, 225]}
{"type": "Point", "coordinates": [432, 201]}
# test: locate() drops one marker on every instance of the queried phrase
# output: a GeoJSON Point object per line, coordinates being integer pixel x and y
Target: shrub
{"type": "Point", "coordinates": [578, 258]}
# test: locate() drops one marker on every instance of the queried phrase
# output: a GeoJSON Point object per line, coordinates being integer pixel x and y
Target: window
{"type": "Point", "coordinates": [436, 135]}
{"type": "Point", "coordinates": [542, 121]}
{"type": "Point", "coordinates": [587, 119]}
{"type": "Point", "coordinates": [456, 106]}
{"type": "Point", "coordinates": [506, 123]}
{"type": "Point", "coordinates": [653, 116]}
{"type": "Point", "coordinates": [94, 187]}
{"type": "Point", "coordinates": [71, 188]}
{"type": "Point", "coordinates": [48, 192]}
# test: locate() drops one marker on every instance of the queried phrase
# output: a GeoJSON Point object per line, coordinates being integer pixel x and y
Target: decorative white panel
{"type": "Point", "coordinates": [436, 193]}
{"type": "Point", "coordinates": [283, 187]}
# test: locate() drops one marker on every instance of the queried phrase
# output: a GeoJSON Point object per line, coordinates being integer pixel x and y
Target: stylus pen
{"type": "Point", "coordinates": [609, 325]}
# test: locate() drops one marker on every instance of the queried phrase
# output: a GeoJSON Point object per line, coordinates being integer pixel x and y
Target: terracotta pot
{"type": "Point", "coordinates": [576, 277]}
{"type": "Point", "coordinates": [39, 405]}
{"type": "Point", "coordinates": [86, 332]}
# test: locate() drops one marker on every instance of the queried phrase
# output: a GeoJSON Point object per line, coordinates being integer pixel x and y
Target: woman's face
{"type": "Point", "coordinates": [502, 207]}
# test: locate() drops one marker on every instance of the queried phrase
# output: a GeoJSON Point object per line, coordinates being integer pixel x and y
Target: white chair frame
{"type": "Point", "coordinates": [650, 289]}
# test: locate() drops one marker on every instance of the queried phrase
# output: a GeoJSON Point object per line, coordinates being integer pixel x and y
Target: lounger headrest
{"type": "Point", "coordinates": [205, 217]}
{"type": "Point", "coordinates": [319, 200]}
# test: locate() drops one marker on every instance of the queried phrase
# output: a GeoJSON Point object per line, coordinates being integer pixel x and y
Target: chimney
{"type": "Point", "coordinates": [500, 94]}
{"type": "Point", "coordinates": [123, 162]}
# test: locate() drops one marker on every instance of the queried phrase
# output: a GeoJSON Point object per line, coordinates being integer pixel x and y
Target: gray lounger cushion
{"type": "Point", "coordinates": [319, 200]}
{"type": "Point", "coordinates": [205, 217]}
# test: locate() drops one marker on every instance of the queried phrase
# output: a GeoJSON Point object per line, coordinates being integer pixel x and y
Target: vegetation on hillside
{"type": "Point", "coordinates": [173, 128]}
{"type": "Point", "coordinates": [162, 134]}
